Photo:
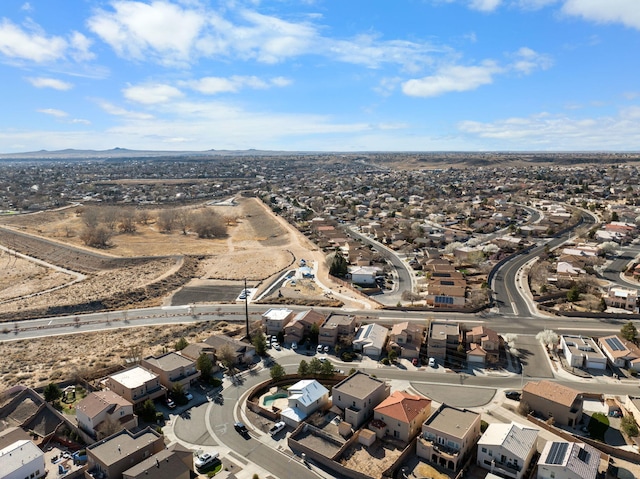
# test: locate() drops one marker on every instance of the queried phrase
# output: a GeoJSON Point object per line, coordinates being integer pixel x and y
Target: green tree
{"type": "Point", "coordinates": [315, 366]}
{"type": "Point", "coordinates": [303, 368]}
{"type": "Point", "coordinates": [629, 426]}
{"type": "Point", "coordinates": [573, 294]}
{"type": "Point", "coordinates": [393, 355]}
{"type": "Point", "coordinates": [315, 332]}
{"type": "Point", "coordinates": [178, 394]}
{"type": "Point", "coordinates": [259, 342]}
{"type": "Point", "coordinates": [277, 372]}
{"type": "Point", "coordinates": [52, 393]}
{"type": "Point", "coordinates": [204, 365]}
{"type": "Point", "coordinates": [629, 332]}
{"type": "Point", "coordinates": [148, 411]}
{"type": "Point", "coordinates": [339, 266]}
{"type": "Point", "coordinates": [352, 371]}
{"type": "Point", "coordinates": [180, 344]}
{"type": "Point", "coordinates": [327, 369]}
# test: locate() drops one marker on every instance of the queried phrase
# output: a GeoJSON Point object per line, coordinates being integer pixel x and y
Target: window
{"type": "Point", "coordinates": [490, 453]}
{"type": "Point", "coordinates": [484, 449]}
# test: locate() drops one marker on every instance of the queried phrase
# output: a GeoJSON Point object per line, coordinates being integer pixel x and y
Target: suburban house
{"type": "Point", "coordinates": [568, 460]}
{"type": "Point", "coordinates": [136, 385]}
{"type": "Point", "coordinates": [621, 353]}
{"type": "Point", "coordinates": [582, 352]}
{"type": "Point", "coordinates": [400, 416]}
{"type": "Point", "coordinates": [301, 324]}
{"type": "Point", "coordinates": [507, 449]}
{"type": "Point", "coordinates": [175, 462]}
{"type": "Point", "coordinates": [442, 338]}
{"type": "Point", "coordinates": [305, 397]}
{"type": "Point", "coordinates": [406, 339]}
{"type": "Point", "coordinates": [364, 275]}
{"type": "Point", "coordinates": [448, 436]}
{"type": "Point", "coordinates": [98, 409]}
{"type": "Point", "coordinates": [242, 351]}
{"type": "Point", "coordinates": [22, 459]}
{"type": "Point", "coordinates": [336, 326]}
{"type": "Point", "coordinates": [109, 458]}
{"type": "Point", "coordinates": [275, 319]}
{"type": "Point", "coordinates": [623, 298]}
{"type": "Point", "coordinates": [483, 345]}
{"type": "Point", "coordinates": [553, 400]}
{"type": "Point", "coordinates": [173, 369]}
{"type": "Point", "coordinates": [194, 350]}
{"type": "Point", "coordinates": [370, 340]}
{"type": "Point", "coordinates": [445, 293]}
{"type": "Point", "coordinates": [358, 395]}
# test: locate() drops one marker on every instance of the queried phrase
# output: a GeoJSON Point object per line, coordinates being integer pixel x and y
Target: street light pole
{"type": "Point", "coordinates": [246, 309]}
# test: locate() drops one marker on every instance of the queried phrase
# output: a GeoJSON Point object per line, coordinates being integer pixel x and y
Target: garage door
{"type": "Point", "coordinates": [595, 365]}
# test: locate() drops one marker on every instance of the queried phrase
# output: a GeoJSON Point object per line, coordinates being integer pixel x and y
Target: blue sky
{"type": "Point", "coordinates": [320, 75]}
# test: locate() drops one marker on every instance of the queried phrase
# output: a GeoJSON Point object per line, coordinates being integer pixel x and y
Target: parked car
{"type": "Point", "coordinates": [414, 361]}
{"type": "Point", "coordinates": [188, 396]}
{"type": "Point", "coordinates": [170, 403]}
{"type": "Point", "coordinates": [241, 428]}
{"type": "Point", "coordinates": [515, 395]}
{"type": "Point", "coordinates": [322, 359]}
{"type": "Point", "coordinates": [326, 349]}
{"type": "Point", "coordinates": [276, 346]}
{"type": "Point", "coordinates": [432, 363]}
{"type": "Point", "coordinates": [206, 459]}
{"type": "Point", "coordinates": [294, 345]}
{"type": "Point", "coordinates": [319, 348]}
{"type": "Point", "coordinates": [277, 427]}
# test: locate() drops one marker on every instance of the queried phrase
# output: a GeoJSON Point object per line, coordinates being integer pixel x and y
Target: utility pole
{"type": "Point", "coordinates": [246, 309]}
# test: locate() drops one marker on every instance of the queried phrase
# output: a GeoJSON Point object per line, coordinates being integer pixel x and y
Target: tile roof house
{"type": "Point", "coordinates": [507, 449]}
{"type": "Point", "coordinates": [305, 397]}
{"type": "Point", "coordinates": [110, 457]}
{"type": "Point", "coordinates": [357, 395]}
{"type": "Point", "coordinates": [104, 407]}
{"type": "Point", "coordinates": [568, 460]}
{"type": "Point", "coordinates": [406, 339]}
{"type": "Point", "coordinates": [301, 325]}
{"type": "Point", "coordinates": [136, 385]}
{"type": "Point", "coordinates": [243, 351]}
{"type": "Point", "coordinates": [448, 437]}
{"type": "Point", "coordinates": [550, 399]}
{"type": "Point", "coordinates": [173, 369]}
{"type": "Point", "coordinates": [487, 341]}
{"type": "Point", "coordinates": [621, 353]}
{"type": "Point", "coordinates": [400, 416]}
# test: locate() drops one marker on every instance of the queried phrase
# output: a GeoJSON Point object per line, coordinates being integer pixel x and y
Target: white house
{"type": "Point", "coordinates": [22, 459]}
{"type": "Point", "coordinates": [365, 275]}
{"type": "Point", "coordinates": [582, 352]}
{"type": "Point", "coordinates": [507, 449]}
{"type": "Point", "coordinates": [568, 460]}
{"type": "Point", "coordinates": [275, 319]}
{"type": "Point", "coordinates": [305, 397]}
{"type": "Point", "coordinates": [370, 339]}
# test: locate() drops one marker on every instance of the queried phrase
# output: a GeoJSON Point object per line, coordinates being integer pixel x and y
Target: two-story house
{"type": "Point", "coordinates": [172, 368]}
{"type": "Point", "coordinates": [136, 385]}
{"type": "Point", "coordinates": [448, 436]}
{"type": "Point", "coordinates": [358, 395]}
{"type": "Point", "coordinates": [275, 319]}
{"type": "Point", "coordinates": [485, 339]}
{"type": "Point", "coordinates": [22, 459]}
{"type": "Point", "coordinates": [305, 397]}
{"type": "Point", "coordinates": [406, 339]}
{"type": "Point", "coordinates": [621, 353]}
{"type": "Point", "coordinates": [175, 462]}
{"type": "Point", "coordinates": [99, 410]}
{"type": "Point", "coordinates": [553, 400]}
{"type": "Point", "coordinates": [241, 350]}
{"type": "Point", "coordinates": [568, 460]}
{"type": "Point", "coordinates": [400, 416]}
{"type": "Point", "coordinates": [301, 324]}
{"type": "Point", "coordinates": [507, 449]}
{"type": "Point", "coordinates": [336, 326]}
{"type": "Point", "coordinates": [443, 338]}
{"type": "Point", "coordinates": [370, 340]}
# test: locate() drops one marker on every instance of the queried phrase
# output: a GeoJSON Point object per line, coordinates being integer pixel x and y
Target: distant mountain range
{"type": "Point", "coordinates": [71, 154]}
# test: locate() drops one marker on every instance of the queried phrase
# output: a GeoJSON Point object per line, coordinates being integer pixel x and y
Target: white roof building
{"type": "Point", "coordinates": [370, 339]}
{"type": "Point", "coordinates": [582, 352]}
{"type": "Point", "coordinates": [507, 449]}
{"type": "Point", "coordinates": [22, 459]}
{"type": "Point", "coordinates": [568, 460]}
{"type": "Point", "coordinates": [305, 397]}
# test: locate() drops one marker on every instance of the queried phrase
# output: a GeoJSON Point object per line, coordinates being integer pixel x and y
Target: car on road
{"type": "Point", "coordinates": [322, 359]}
{"type": "Point", "coordinates": [241, 428]}
{"type": "Point", "coordinates": [277, 427]}
{"type": "Point", "coordinates": [206, 459]}
{"type": "Point", "coordinates": [276, 346]}
{"type": "Point", "coordinates": [514, 395]}
{"type": "Point", "coordinates": [432, 363]}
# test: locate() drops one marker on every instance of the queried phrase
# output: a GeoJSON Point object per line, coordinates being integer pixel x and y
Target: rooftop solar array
{"type": "Point", "coordinates": [557, 452]}
{"type": "Point", "coordinates": [615, 344]}
{"type": "Point", "coordinates": [584, 455]}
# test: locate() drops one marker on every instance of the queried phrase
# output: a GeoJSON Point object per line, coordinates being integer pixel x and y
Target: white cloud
{"type": "Point", "coordinates": [151, 93]}
{"type": "Point", "coordinates": [160, 29]}
{"type": "Point", "coordinates": [484, 5]}
{"type": "Point", "coordinates": [233, 84]}
{"type": "Point", "coordinates": [626, 12]}
{"type": "Point", "coordinates": [26, 7]}
{"type": "Point", "coordinates": [115, 110]}
{"type": "Point", "coordinates": [80, 47]}
{"type": "Point", "coordinates": [527, 60]}
{"type": "Point", "coordinates": [452, 78]}
{"type": "Point", "coordinates": [42, 82]}
{"type": "Point", "coordinates": [546, 131]}
{"type": "Point", "coordinates": [29, 45]}
{"type": "Point", "coordinates": [54, 112]}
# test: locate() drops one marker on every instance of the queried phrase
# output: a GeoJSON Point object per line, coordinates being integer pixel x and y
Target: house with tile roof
{"type": "Point", "coordinates": [507, 449]}
{"type": "Point", "coordinates": [105, 407]}
{"type": "Point", "coordinates": [568, 460]}
{"type": "Point", "coordinates": [552, 400]}
{"type": "Point", "coordinates": [301, 324]}
{"type": "Point", "coordinates": [621, 353]}
{"type": "Point", "coordinates": [305, 397]}
{"type": "Point", "coordinates": [400, 416]}
{"type": "Point", "coordinates": [483, 345]}
{"type": "Point", "coordinates": [406, 339]}
{"type": "Point", "coordinates": [448, 437]}
{"type": "Point", "coordinates": [172, 368]}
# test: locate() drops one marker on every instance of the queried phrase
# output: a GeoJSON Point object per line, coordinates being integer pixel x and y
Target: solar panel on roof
{"type": "Point", "coordinates": [557, 452]}
{"type": "Point", "coordinates": [584, 455]}
{"type": "Point", "coordinates": [615, 344]}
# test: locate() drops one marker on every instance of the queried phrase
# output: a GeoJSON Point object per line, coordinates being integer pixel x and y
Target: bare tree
{"type": "Point", "coordinates": [91, 217]}
{"type": "Point", "coordinates": [226, 356]}
{"type": "Point", "coordinates": [110, 216]}
{"type": "Point", "coordinates": [96, 236]}
{"type": "Point", "coordinates": [208, 224]}
{"type": "Point", "coordinates": [183, 220]}
{"type": "Point", "coordinates": [166, 220]}
{"type": "Point", "coordinates": [127, 220]}
{"type": "Point", "coordinates": [144, 216]}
